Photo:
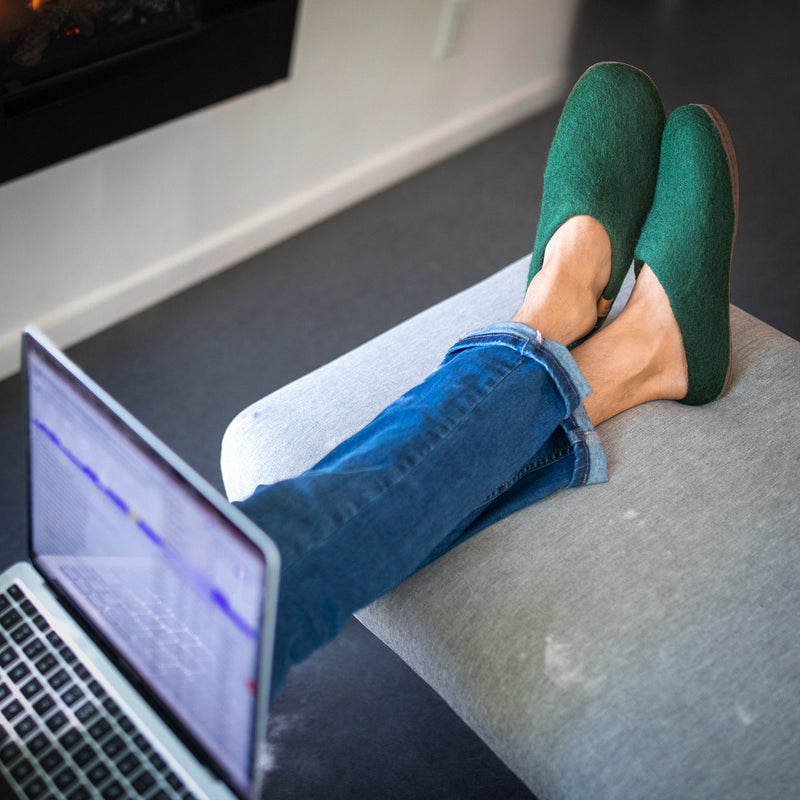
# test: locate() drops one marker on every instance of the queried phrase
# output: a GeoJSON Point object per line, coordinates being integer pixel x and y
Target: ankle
{"type": "Point", "coordinates": [563, 309]}
{"type": "Point", "coordinates": [653, 330]}
{"type": "Point", "coordinates": [637, 358]}
{"type": "Point", "coordinates": [561, 300]}
{"type": "Point", "coordinates": [581, 248]}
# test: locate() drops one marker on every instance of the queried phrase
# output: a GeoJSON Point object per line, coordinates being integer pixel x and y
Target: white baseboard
{"type": "Point", "coordinates": [93, 312]}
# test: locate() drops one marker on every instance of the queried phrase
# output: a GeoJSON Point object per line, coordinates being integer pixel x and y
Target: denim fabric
{"type": "Point", "coordinates": [499, 425]}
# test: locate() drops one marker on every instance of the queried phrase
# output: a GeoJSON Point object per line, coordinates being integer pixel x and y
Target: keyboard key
{"type": "Point", "coordinates": [129, 764]}
{"type": "Point", "coordinates": [59, 679]}
{"type": "Point", "coordinates": [51, 761]}
{"type": "Point", "coordinates": [10, 619]}
{"type": "Point", "coordinates": [12, 710]}
{"type": "Point", "coordinates": [4, 603]}
{"type": "Point", "coordinates": [7, 657]}
{"type": "Point", "coordinates": [34, 649]}
{"type": "Point", "coordinates": [4, 692]}
{"type": "Point", "coordinates": [41, 623]}
{"type": "Point", "coordinates": [99, 729]}
{"type": "Point", "coordinates": [158, 762]}
{"type": "Point", "coordinates": [97, 689]}
{"type": "Point", "coordinates": [55, 639]}
{"type": "Point", "coordinates": [9, 753]}
{"type": "Point", "coordinates": [22, 770]}
{"type": "Point", "coordinates": [46, 663]}
{"type": "Point", "coordinates": [97, 774]}
{"type": "Point", "coordinates": [57, 721]}
{"type": "Point", "coordinates": [143, 782]}
{"type": "Point", "coordinates": [19, 673]}
{"type": "Point", "coordinates": [15, 592]}
{"type": "Point", "coordinates": [173, 780]}
{"type": "Point", "coordinates": [111, 707]}
{"type": "Point", "coordinates": [86, 712]}
{"type": "Point", "coordinates": [31, 689]}
{"type": "Point", "coordinates": [126, 724]}
{"type": "Point", "coordinates": [68, 656]}
{"type": "Point", "coordinates": [22, 633]}
{"type": "Point", "coordinates": [25, 726]}
{"type": "Point", "coordinates": [72, 695]}
{"type": "Point", "coordinates": [65, 778]}
{"type": "Point", "coordinates": [113, 746]}
{"type": "Point", "coordinates": [71, 739]}
{"type": "Point", "coordinates": [43, 705]}
{"type": "Point", "coordinates": [28, 607]}
{"type": "Point", "coordinates": [81, 793]}
{"type": "Point", "coordinates": [85, 755]}
{"type": "Point", "coordinates": [82, 672]}
{"type": "Point", "coordinates": [38, 744]}
{"type": "Point", "coordinates": [113, 791]}
{"type": "Point", "coordinates": [35, 788]}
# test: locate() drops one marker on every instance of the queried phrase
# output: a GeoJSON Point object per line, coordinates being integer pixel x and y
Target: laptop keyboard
{"type": "Point", "coordinates": [62, 735]}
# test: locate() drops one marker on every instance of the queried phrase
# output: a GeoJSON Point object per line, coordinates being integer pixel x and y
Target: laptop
{"type": "Point", "coordinates": [136, 641]}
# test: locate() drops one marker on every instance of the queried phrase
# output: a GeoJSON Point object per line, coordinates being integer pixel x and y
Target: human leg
{"type": "Point", "coordinates": [500, 425]}
{"type": "Point", "coordinates": [497, 427]}
{"type": "Point", "coordinates": [498, 420]}
{"type": "Point", "coordinates": [561, 300]}
{"type": "Point", "coordinates": [638, 357]}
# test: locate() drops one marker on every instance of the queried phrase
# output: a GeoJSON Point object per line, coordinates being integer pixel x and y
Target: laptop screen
{"type": "Point", "coordinates": [169, 581]}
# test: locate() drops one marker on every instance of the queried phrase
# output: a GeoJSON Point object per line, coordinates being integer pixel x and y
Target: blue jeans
{"type": "Point", "coordinates": [499, 425]}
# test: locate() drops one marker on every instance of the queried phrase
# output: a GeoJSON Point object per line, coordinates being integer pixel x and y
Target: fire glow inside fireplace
{"type": "Point", "coordinates": [77, 74]}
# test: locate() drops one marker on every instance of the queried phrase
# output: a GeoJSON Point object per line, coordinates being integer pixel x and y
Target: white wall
{"type": "Point", "coordinates": [97, 238]}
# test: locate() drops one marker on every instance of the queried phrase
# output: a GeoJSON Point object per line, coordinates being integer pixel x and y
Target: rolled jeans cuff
{"type": "Point", "coordinates": [591, 465]}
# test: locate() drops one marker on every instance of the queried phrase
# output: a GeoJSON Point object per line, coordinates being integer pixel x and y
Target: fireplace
{"type": "Point", "coordinates": [77, 74]}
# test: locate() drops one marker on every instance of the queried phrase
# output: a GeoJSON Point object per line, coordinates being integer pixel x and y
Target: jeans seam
{"type": "Point", "coordinates": [531, 466]}
{"type": "Point", "coordinates": [586, 461]}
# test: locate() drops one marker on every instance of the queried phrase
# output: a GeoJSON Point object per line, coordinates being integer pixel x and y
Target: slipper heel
{"type": "Point", "coordinates": [688, 238]}
{"type": "Point", "coordinates": [733, 166]}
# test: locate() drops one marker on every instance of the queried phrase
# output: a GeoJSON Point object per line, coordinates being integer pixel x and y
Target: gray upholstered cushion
{"type": "Point", "coordinates": [635, 639]}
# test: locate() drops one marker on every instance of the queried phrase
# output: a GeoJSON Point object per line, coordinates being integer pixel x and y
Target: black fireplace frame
{"type": "Point", "coordinates": [237, 47]}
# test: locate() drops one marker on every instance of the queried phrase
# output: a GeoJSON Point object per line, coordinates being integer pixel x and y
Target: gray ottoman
{"type": "Point", "coordinates": [635, 639]}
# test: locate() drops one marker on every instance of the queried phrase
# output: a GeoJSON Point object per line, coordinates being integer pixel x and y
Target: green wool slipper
{"type": "Point", "coordinates": [603, 163]}
{"type": "Point", "coordinates": [687, 241]}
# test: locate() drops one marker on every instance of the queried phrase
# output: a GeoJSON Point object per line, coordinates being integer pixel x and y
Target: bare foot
{"type": "Point", "coordinates": [561, 301]}
{"type": "Point", "coordinates": [636, 358]}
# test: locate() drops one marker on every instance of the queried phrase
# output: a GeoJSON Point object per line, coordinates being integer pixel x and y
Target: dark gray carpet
{"type": "Point", "coordinates": [354, 722]}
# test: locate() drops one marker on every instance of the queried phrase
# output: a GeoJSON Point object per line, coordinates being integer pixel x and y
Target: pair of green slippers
{"type": "Point", "coordinates": [666, 191]}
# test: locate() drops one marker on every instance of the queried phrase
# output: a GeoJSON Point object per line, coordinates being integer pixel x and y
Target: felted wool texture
{"type": "Point", "coordinates": [687, 241]}
{"type": "Point", "coordinates": [603, 162]}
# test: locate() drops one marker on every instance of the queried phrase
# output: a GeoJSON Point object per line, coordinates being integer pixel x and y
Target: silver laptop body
{"type": "Point", "coordinates": [136, 641]}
